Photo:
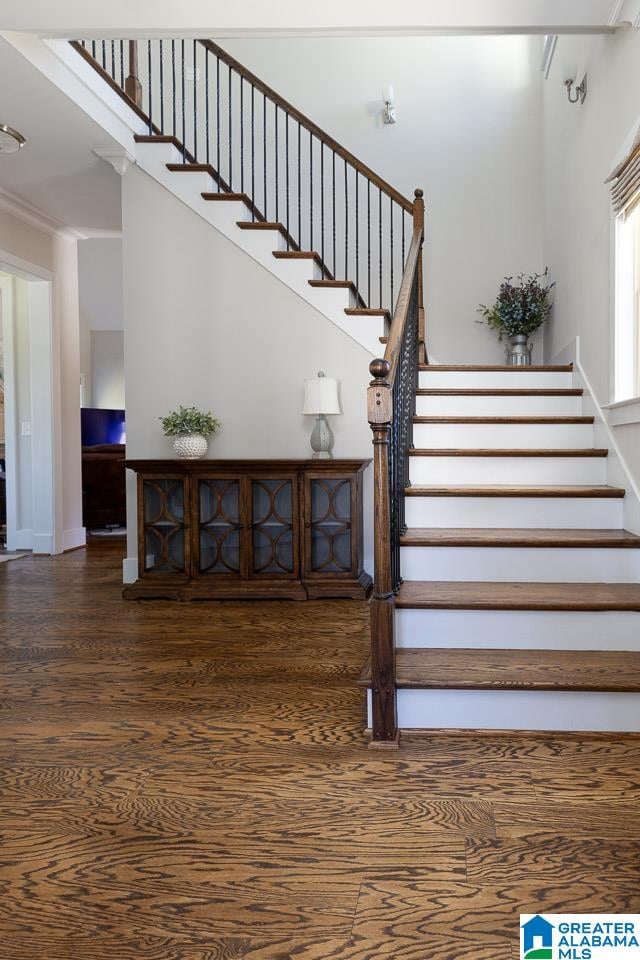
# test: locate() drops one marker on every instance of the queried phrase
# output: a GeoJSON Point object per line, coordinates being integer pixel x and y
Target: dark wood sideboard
{"type": "Point", "coordinates": [241, 529]}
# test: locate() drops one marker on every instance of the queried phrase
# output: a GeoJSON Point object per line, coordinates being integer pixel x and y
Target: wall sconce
{"type": "Point", "coordinates": [581, 90]}
{"type": "Point", "coordinates": [389, 110]}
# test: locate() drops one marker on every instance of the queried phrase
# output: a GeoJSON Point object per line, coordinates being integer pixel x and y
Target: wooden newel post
{"type": "Point", "coordinates": [418, 221]}
{"type": "Point", "coordinates": [383, 667]}
{"type": "Point", "coordinates": [132, 85]}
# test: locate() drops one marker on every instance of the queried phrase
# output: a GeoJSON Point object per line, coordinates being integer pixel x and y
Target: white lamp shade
{"type": "Point", "coordinates": [321, 396]}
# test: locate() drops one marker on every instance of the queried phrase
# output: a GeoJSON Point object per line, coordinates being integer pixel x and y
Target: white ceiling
{"type": "Point", "coordinates": [56, 171]}
{"type": "Point", "coordinates": [73, 18]}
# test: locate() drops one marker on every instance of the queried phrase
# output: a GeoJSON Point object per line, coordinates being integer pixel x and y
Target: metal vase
{"type": "Point", "coordinates": [519, 351]}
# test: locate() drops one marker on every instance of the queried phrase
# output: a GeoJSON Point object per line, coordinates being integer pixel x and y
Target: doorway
{"type": "Point", "coordinates": [29, 412]}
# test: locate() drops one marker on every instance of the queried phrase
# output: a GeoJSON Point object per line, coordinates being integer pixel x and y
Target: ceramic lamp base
{"type": "Point", "coordinates": [321, 439]}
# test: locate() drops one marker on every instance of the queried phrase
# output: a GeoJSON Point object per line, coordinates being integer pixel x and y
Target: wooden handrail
{"type": "Point", "coordinates": [312, 127]}
{"type": "Point", "coordinates": [399, 322]}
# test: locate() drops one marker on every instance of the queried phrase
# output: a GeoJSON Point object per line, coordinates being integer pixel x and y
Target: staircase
{"type": "Point", "coordinates": [519, 600]}
{"type": "Point", "coordinates": [266, 176]}
{"type": "Point", "coordinates": [506, 589]}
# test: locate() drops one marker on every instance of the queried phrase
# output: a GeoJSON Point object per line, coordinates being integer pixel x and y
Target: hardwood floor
{"type": "Point", "coordinates": [191, 782]}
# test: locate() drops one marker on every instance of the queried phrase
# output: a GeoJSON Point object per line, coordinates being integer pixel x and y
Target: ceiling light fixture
{"type": "Point", "coordinates": [10, 139]}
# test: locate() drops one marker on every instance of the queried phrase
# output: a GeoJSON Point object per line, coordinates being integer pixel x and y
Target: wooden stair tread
{"type": "Point", "coordinates": [471, 669]}
{"type": "Point", "coordinates": [242, 197]}
{"type": "Point", "coordinates": [497, 368]}
{"type": "Point", "coordinates": [298, 255]}
{"type": "Point", "coordinates": [367, 312]}
{"type": "Point", "coordinates": [492, 490]}
{"type": "Point", "coordinates": [192, 168]}
{"type": "Point", "coordinates": [157, 138]}
{"type": "Point", "coordinates": [260, 225]}
{"type": "Point", "coordinates": [509, 452]}
{"type": "Point", "coordinates": [463, 595]}
{"type": "Point", "coordinates": [498, 392]}
{"type": "Point", "coordinates": [517, 421]}
{"type": "Point", "coordinates": [524, 537]}
{"type": "Point", "coordinates": [346, 284]}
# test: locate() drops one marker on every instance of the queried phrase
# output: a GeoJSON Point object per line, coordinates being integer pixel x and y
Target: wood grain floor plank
{"type": "Point", "coordinates": [606, 820]}
{"type": "Point", "coordinates": [418, 908]}
{"type": "Point", "coordinates": [547, 857]}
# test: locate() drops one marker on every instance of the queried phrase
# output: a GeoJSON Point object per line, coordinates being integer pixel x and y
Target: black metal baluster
{"type": "Point", "coordinates": [346, 221]}
{"type": "Point", "coordinates": [264, 151]}
{"type": "Point", "coordinates": [122, 64]}
{"type": "Point", "coordinates": [357, 239]}
{"type": "Point", "coordinates": [241, 134]}
{"type": "Point", "coordinates": [368, 242]}
{"type": "Point", "coordinates": [380, 241]}
{"type": "Point", "coordinates": [333, 224]}
{"type": "Point", "coordinates": [161, 89]}
{"type": "Point", "coordinates": [93, 49]}
{"type": "Point", "coordinates": [195, 105]}
{"type": "Point", "coordinates": [104, 55]}
{"type": "Point", "coordinates": [218, 122]}
{"type": "Point", "coordinates": [286, 160]}
{"type": "Point", "coordinates": [322, 202]}
{"type": "Point", "coordinates": [253, 153]}
{"type": "Point", "coordinates": [184, 119]}
{"type": "Point", "coordinates": [275, 154]}
{"type": "Point", "coordinates": [206, 103]}
{"type": "Point", "coordinates": [149, 86]}
{"type": "Point", "coordinates": [173, 83]}
{"type": "Point", "coordinates": [299, 190]}
{"type": "Point", "coordinates": [230, 81]}
{"type": "Point", "coordinates": [404, 213]}
{"type": "Point", "coordinates": [391, 249]}
{"type": "Point", "coordinates": [310, 191]}
{"type": "Point", "coordinates": [113, 59]}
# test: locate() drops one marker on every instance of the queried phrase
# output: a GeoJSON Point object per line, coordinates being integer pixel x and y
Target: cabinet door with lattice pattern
{"type": "Point", "coordinates": [218, 511]}
{"type": "Point", "coordinates": [163, 526]}
{"type": "Point", "coordinates": [273, 505]}
{"type": "Point", "coordinates": [329, 546]}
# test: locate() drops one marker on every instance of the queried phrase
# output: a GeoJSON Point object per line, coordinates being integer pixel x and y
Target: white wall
{"type": "Point", "coordinates": [469, 132]}
{"type": "Point", "coordinates": [211, 327]}
{"type": "Point", "coordinates": [101, 322]}
{"type": "Point", "coordinates": [580, 146]}
{"type": "Point", "coordinates": [107, 369]}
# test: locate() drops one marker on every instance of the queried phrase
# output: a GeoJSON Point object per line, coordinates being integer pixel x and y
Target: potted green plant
{"type": "Point", "coordinates": [519, 310]}
{"type": "Point", "coordinates": [190, 429]}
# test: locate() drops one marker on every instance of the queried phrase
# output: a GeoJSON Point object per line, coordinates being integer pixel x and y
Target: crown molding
{"type": "Point", "coordinates": [22, 210]}
{"type": "Point", "coordinates": [625, 12]}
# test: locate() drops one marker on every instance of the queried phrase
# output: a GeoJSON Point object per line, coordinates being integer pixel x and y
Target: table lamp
{"type": "Point", "coordinates": [321, 399]}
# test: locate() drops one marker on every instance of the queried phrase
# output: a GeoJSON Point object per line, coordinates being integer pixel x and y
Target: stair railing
{"type": "Point", "coordinates": [256, 144]}
{"type": "Point", "coordinates": [391, 405]}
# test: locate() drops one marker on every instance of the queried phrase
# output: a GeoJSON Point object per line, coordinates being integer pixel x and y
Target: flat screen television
{"type": "Point", "coordinates": [102, 426]}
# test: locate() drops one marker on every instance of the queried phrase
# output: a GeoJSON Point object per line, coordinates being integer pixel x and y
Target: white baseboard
{"type": "Point", "coordinates": [42, 543]}
{"type": "Point", "coordinates": [618, 472]}
{"type": "Point", "coordinates": [74, 538]}
{"type": "Point", "coordinates": [20, 540]}
{"type": "Point", "coordinates": [129, 569]}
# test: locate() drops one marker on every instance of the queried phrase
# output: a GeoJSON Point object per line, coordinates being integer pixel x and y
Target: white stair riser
{"type": "Point", "coordinates": [517, 710]}
{"type": "Point", "coordinates": [498, 406]}
{"type": "Point", "coordinates": [528, 564]}
{"type": "Point", "coordinates": [518, 629]}
{"type": "Point", "coordinates": [501, 379]}
{"type": "Point", "coordinates": [516, 470]}
{"type": "Point", "coordinates": [502, 436]}
{"type": "Point", "coordinates": [570, 512]}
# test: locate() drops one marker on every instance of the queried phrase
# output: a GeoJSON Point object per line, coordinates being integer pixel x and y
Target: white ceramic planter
{"type": "Point", "coordinates": [191, 446]}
